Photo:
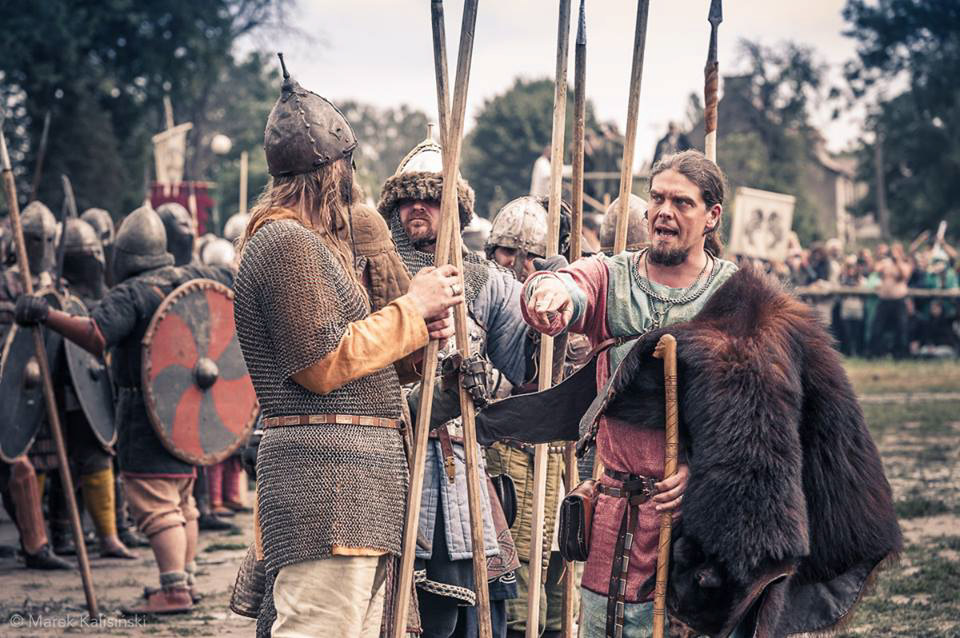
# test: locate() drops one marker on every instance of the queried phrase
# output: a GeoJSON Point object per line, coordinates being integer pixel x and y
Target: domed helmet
{"type": "Point", "coordinates": [84, 263]}
{"type": "Point", "coordinates": [141, 244]}
{"type": "Point", "coordinates": [304, 131]}
{"type": "Point", "coordinates": [638, 235]}
{"type": "Point", "coordinates": [40, 236]}
{"type": "Point", "coordinates": [520, 224]}
{"type": "Point", "coordinates": [235, 227]}
{"type": "Point", "coordinates": [218, 252]}
{"type": "Point", "coordinates": [181, 231]}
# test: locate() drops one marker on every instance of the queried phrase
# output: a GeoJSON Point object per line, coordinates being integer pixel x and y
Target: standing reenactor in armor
{"type": "Point", "coordinates": [102, 222]}
{"type": "Point", "coordinates": [410, 202]}
{"type": "Point", "coordinates": [331, 468]}
{"type": "Point", "coordinates": [518, 241]}
{"type": "Point", "coordinates": [92, 460]}
{"type": "Point", "coordinates": [158, 485]}
{"type": "Point", "coordinates": [181, 232]}
{"type": "Point", "coordinates": [18, 479]}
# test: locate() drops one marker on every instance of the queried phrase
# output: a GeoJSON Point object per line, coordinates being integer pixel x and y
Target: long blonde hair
{"type": "Point", "coordinates": [319, 200]}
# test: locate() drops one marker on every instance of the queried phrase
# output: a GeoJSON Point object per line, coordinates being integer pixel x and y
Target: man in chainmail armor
{"type": "Point", "coordinates": [331, 467]}
{"type": "Point", "coordinates": [410, 203]}
{"type": "Point", "coordinates": [158, 485]}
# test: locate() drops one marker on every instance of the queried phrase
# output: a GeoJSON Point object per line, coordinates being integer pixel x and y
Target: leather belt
{"type": "Point", "coordinates": [530, 448]}
{"type": "Point", "coordinates": [332, 419]}
{"type": "Point", "coordinates": [636, 489]}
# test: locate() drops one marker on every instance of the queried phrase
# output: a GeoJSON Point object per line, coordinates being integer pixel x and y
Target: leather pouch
{"type": "Point", "coordinates": [507, 494]}
{"type": "Point", "coordinates": [576, 519]}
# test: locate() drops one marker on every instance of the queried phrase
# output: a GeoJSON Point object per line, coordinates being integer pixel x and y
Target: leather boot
{"type": "Point", "coordinates": [132, 538]}
{"type": "Point", "coordinates": [172, 600]}
{"type": "Point", "coordinates": [211, 523]}
{"type": "Point", "coordinates": [45, 559]}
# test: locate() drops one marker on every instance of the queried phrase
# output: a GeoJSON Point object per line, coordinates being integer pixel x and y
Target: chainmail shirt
{"type": "Point", "coordinates": [320, 486]}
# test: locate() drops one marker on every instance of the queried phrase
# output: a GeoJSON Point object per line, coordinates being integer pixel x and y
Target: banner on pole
{"type": "Point", "coordinates": [761, 224]}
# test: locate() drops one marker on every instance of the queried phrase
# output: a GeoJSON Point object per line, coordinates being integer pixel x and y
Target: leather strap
{"type": "Point", "coordinates": [331, 419]}
{"type": "Point", "coordinates": [446, 446]}
{"type": "Point", "coordinates": [636, 489]}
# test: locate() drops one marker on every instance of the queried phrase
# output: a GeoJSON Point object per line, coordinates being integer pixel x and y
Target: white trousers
{"type": "Point", "coordinates": [336, 596]}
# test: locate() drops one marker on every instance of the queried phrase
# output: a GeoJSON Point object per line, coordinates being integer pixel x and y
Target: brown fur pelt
{"type": "Point", "coordinates": [786, 485]}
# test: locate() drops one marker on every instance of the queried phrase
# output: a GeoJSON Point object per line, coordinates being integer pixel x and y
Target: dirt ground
{"type": "Point", "coordinates": [914, 413]}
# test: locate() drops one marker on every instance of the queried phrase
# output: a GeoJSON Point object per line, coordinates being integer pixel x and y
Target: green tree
{"type": "Point", "coordinates": [919, 128]}
{"type": "Point", "coordinates": [101, 68]}
{"type": "Point", "coordinates": [511, 131]}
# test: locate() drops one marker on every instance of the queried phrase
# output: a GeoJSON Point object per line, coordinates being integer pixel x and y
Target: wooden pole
{"type": "Point", "coordinates": [448, 241]}
{"type": "Point", "coordinates": [667, 350]}
{"type": "Point", "coordinates": [535, 565]}
{"type": "Point", "coordinates": [40, 348]}
{"type": "Point", "coordinates": [633, 109]}
{"type": "Point", "coordinates": [244, 162]}
{"type": "Point", "coordinates": [570, 472]}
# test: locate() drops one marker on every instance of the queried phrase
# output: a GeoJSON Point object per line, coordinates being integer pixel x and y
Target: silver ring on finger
{"type": "Point", "coordinates": [455, 289]}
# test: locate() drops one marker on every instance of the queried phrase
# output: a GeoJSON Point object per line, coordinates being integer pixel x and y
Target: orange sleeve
{"type": "Point", "coordinates": [368, 345]}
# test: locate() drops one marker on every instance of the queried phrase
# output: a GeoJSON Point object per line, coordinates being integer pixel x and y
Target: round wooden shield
{"type": "Point", "coordinates": [196, 385]}
{"type": "Point", "coordinates": [21, 385]}
{"type": "Point", "coordinates": [91, 383]}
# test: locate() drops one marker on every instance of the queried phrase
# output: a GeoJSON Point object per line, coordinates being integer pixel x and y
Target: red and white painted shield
{"type": "Point", "coordinates": [196, 385]}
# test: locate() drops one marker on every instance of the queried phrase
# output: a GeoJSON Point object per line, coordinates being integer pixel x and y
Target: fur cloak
{"type": "Point", "coordinates": [787, 512]}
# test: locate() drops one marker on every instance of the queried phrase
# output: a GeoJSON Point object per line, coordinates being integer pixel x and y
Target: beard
{"type": "Point", "coordinates": [668, 256]}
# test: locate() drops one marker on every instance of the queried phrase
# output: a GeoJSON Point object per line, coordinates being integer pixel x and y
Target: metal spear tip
{"type": "Point", "coordinates": [582, 25]}
{"type": "Point", "coordinates": [283, 66]}
{"type": "Point", "coordinates": [715, 16]}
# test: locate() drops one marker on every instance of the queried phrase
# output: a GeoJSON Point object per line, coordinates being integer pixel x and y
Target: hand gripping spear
{"type": "Point", "coordinates": [576, 250]}
{"type": "Point", "coordinates": [711, 74]}
{"type": "Point", "coordinates": [448, 250]}
{"type": "Point", "coordinates": [546, 341]}
{"type": "Point", "coordinates": [41, 353]}
{"type": "Point", "coordinates": [667, 350]}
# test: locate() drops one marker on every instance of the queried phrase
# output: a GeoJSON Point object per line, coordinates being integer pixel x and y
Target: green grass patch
{"type": "Point", "coordinates": [915, 506]}
{"type": "Point", "coordinates": [924, 417]}
{"type": "Point", "coordinates": [886, 375]}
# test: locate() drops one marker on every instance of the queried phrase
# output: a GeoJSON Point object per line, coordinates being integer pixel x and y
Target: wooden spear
{"type": "Point", "coordinates": [40, 348]}
{"type": "Point", "coordinates": [545, 367]}
{"type": "Point", "coordinates": [667, 350]}
{"type": "Point", "coordinates": [448, 243]}
{"type": "Point", "coordinates": [711, 75]}
{"type": "Point", "coordinates": [633, 109]}
{"type": "Point", "coordinates": [576, 250]}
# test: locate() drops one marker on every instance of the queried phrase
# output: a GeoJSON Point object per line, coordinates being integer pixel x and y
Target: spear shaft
{"type": "Point", "coordinates": [41, 153]}
{"type": "Point", "coordinates": [711, 75]}
{"type": "Point", "coordinates": [40, 350]}
{"type": "Point", "coordinates": [545, 367]}
{"type": "Point", "coordinates": [633, 109]}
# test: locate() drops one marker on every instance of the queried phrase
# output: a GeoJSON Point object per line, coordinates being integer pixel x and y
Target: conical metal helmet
{"type": "Point", "coordinates": [304, 131]}
{"type": "Point", "coordinates": [81, 238]}
{"type": "Point", "coordinates": [141, 244]}
{"type": "Point", "coordinates": [521, 224]}
{"type": "Point", "coordinates": [40, 236]}
{"type": "Point", "coordinates": [102, 222]}
{"type": "Point", "coordinates": [638, 235]}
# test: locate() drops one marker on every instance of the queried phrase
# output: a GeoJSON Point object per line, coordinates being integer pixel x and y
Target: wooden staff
{"type": "Point", "coordinates": [711, 75]}
{"type": "Point", "coordinates": [535, 565]}
{"type": "Point", "coordinates": [576, 250]}
{"type": "Point", "coordinates": [667, 350]}
{"type": "Point", "coordinates": [244, 162]}
{"type": "Point", "coordinates": [41, 353]}
{"type": "Point", "coordinates": [633, 109]}
{"type": "Point", "coordinates": [448, 242]}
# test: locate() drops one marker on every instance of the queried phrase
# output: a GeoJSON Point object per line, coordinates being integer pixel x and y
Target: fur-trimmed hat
{"type": "Point", "coordinates": [420, 176]}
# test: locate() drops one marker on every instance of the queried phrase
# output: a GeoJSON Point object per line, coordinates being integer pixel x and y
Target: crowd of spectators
{"type": "Point", "coordinates": [892, 320]}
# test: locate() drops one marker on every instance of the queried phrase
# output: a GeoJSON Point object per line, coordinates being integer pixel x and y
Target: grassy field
{"type": "Point", "coordinates": [918, 440]}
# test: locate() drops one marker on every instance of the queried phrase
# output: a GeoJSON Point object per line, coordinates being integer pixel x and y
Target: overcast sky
{"type": "Point", "coordinates": [380, 52]}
